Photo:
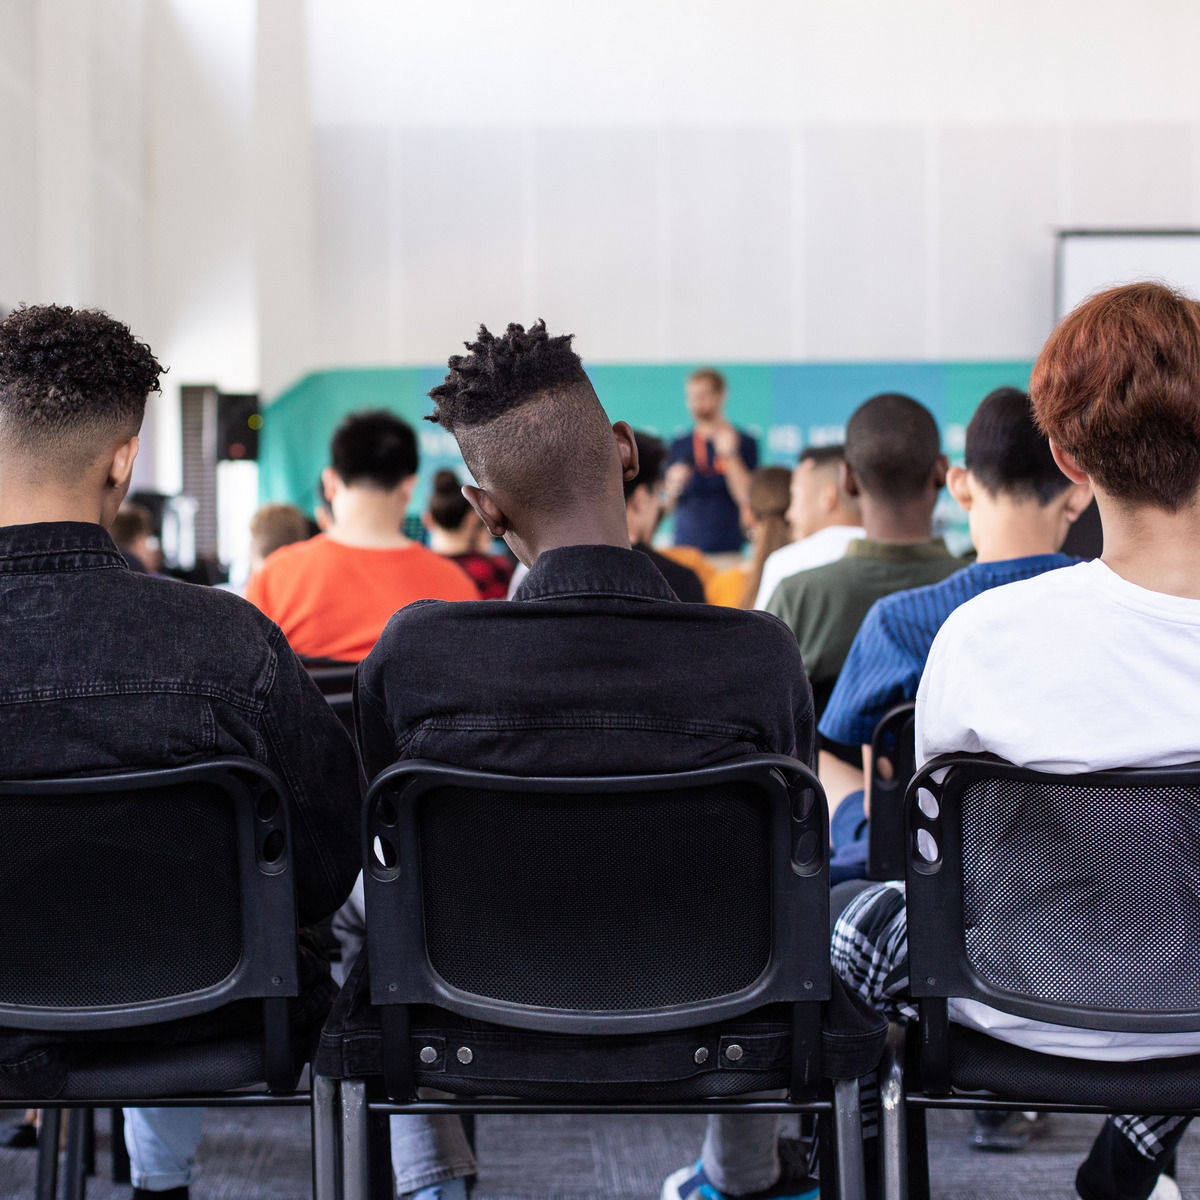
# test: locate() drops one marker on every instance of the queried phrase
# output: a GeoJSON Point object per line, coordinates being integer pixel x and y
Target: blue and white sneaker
{"type": "Point", "coordinates": [691, 1183]}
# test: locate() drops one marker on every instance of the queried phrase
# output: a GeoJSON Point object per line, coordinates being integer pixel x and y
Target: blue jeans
{"type": "Point", "coordinates": [848, 829]}
{"type": "Point", "coordinates": [162, 1146]}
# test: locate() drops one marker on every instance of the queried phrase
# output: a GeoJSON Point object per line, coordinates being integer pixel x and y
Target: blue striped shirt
{"type": "Point", "coordinates": [885, 662]}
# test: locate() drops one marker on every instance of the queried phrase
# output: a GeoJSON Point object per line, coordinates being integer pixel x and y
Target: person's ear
{"type": "Point", "coordinates": [940, 468]}
{"type": "Point", "coordinates": [405, 488]}
{"type": "Point", "coordinates": [627, 448]}
{"type": "Point", "coordinates": [1067, 464]}
{"type": "Point", "coordinates": [427, 520]}
{"type": "Point", "coordinates": [121, 470]}
{"type": "Point", "coordinates": [828, 497]}
{"type": "Point", "coordinates": [848, 480]}
{"type": "Point", "coordinates": [958, 484]}
{"type": "Point", "coordinates": [490, 513]}
{"type": "Point", "coordinates": [1078, 497]}
{"type": "Point", "coordinates": [330, 482]}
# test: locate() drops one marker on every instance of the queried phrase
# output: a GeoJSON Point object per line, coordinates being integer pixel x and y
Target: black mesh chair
{"type": "Point", "coordinates": [590, 945]}
{"type": "Point", "coordinates": [1070, 899]}
{"type": "Point", "coordinates": [893, 761]}
{"type": "Point", "coordinates": [140, 898]}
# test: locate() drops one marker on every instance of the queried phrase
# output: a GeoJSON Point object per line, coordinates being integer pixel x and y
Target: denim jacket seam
{"type": "Point", "coordinates": [482, 723]}
{"type": "Point", "coordinates": [607, 593]}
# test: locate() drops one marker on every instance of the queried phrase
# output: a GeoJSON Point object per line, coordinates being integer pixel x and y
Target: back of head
{"type": "Point", "coordinates": [893, 447]}
{"type": "Point", "coordinates": [133, 521]}
{"type": "Point", "coordinates": [374, 449]}
{"type": "Point", "coordinates": [275, 525]}
{"type": "Point", "coordinates": [447, 505]}
{"type": "Point", "coordinates": [652, 454]}
{"type": "Point", "coordinates": [73, 383]}
{"type": "Point", "coordinates": [527, 419]}
{"type": "Point", "coordinates": [1117, 385]}
{"type": "Point", "coordinates": [1007, 452]}
{"type": "Point", "coordinates": [770, 496]}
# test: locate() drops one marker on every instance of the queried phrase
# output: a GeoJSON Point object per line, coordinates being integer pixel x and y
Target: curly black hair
{"type": "Point", "coordinates": [65, 370]}
{"type": "Point", "coordinates": [501, 373]}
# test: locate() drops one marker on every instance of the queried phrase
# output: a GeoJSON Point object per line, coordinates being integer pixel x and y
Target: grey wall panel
{"type": "Point", "coordinates": [1130, 176]}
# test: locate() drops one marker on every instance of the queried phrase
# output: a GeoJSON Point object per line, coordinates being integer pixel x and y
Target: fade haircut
{"type": "Point", "coordinates": [374, 449]}
{"type": "Point", "coordinates": [1117, 385]}
{"type": "Point", "coordinates": [1008, 453]}
{"type": "Point", "coordinates": [526, 418]}
{"type": "Point", "coordinates": [892, 446]}
{"type": "Point", "coordinates": [822, 456]}
{"type": "Point", "coordinates": [652, 454]}
{"type": "Point", "coordinates": [71, 380]}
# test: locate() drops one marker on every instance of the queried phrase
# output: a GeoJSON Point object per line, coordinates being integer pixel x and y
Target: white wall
{"type": "Point", "coordinates": [767, 180]}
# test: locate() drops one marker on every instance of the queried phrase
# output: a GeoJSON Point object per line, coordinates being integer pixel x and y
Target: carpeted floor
{"type": "Point", "coordinates": [263, 1155]}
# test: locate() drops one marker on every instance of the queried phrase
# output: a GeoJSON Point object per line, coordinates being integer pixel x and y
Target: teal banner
{"type": "Point", "coordinates": [787, 406]}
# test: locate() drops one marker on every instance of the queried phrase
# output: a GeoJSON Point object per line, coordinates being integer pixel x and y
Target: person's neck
{"type": "Point", "coordinates": [910, 522]}
{"type": "Point", "coordinates": [708, 426]}
{"type": "Point", "coordinates": [368, 519]}
{"type": "Point", "coordinates": [837, 519]}
{"type": "Point", "coordinates": [1151, 547]}
{"type": "Point", "coordinates": [21, 505]}
{"type": "Point", "coordinates": [450, 542]}
{"type": "Point", "coordinates": [1014, 532]}
{"type": "Point", "coordinates": [583, 529]}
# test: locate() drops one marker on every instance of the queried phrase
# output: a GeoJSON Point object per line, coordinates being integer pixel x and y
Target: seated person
{"type": "Point", "coordinates": [133, 534]}
{"type": "Point", "coordinates": [644, 511]}
{"type": "Point", "coordinates": [457, 533]}
{"type": "Point", "coordinates": [1039, 672]}
{"type": "Point", "coordinates": [104, 669]}
{"type": "Point", "coordinates": [594, 638]}
{"type": "Point", "coordinates": [765, 524]}
{"type": "Point", "coordinates": [332, 594]}
{"type": "Point", "coordinates": [822, 517]}
{"type": "Point", "coordinates": [273, 526]}
{"type": "Point", "coordinates": [1020, 507]}
{"type": "Point", "coordinates": [894, 467]}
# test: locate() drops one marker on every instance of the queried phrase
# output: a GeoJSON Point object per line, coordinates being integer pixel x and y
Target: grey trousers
{"type": "Point", "coordinates": [425, 1150]}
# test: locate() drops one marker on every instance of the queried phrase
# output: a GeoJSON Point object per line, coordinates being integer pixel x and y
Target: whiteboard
{"type": "Point", "coordinates": [1090, 261]}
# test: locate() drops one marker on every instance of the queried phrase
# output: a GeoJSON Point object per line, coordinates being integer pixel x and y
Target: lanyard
{"type": "Point", "coordinates": [700, 457]}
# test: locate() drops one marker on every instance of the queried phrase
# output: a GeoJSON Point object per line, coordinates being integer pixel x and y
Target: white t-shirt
{"type": "Point", "coordinates": [825, 546]}
{"type": "Point", "coordinates": [1074, 670]}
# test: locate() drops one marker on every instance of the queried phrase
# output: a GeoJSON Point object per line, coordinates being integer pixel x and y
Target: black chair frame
{"type": "Point", "coordinates": [894, 742]}
{"type": "Point", "coordinates": [939, 968]}
{"type": "Point", "coordinates": [267, 968]}
{"type": "Point", "coordinates": [797, 974]}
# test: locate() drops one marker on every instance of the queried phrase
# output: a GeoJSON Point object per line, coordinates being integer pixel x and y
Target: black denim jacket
{"type": "Point", "coordinates": [102, 669]}
{"type": "Point", "coordinates": [595, 667]}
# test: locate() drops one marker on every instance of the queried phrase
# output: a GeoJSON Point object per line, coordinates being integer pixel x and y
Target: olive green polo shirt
{"type": "Point", "coordinates": [825, 606]}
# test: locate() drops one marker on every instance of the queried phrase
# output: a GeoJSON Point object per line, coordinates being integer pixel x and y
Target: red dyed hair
{"type": "Point", "coordinates": [1117, 384]}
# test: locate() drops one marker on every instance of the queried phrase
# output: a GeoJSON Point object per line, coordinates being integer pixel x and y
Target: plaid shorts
{"type": "Point", "coordinates": [870, 953]}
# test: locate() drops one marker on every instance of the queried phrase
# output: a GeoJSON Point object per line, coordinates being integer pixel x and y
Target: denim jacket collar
{"type": "Point", "coordinates": [593, 571]}
{"type": "Point", "coordinates": [57, 546]}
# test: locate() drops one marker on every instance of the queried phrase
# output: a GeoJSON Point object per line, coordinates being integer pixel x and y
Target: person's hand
{"type": "Point", "coordinates": [726, 441]}
{"type": "Point", "coordinates": [676, 480]}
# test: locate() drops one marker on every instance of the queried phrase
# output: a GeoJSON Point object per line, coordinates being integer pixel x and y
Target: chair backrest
{"type": "Point", "coordinates": [893, 762]}
{"type": "Point", "coordinates": [1073, 899]}
{"type": "Point", "coordinates": [597, 905]}
{"type": "Point", "coordinates": [334, 678]}
{"type": "Point", "coordinates": [136, 898]}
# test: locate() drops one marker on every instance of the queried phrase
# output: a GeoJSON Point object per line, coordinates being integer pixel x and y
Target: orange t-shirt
{"type": "Point", "coordinates": [332, 600]}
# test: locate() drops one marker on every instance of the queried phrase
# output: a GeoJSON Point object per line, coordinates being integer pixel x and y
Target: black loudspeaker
{"type": "Point", "coordinates": [238, 423]}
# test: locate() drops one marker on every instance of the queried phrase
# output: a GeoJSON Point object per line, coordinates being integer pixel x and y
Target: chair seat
{"type": "Point", "coordinates": [979, 1063]}
{"type": "Point", "coordinates": [119, 1070]}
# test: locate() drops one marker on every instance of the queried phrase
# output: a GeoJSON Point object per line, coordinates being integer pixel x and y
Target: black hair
{"type": "Point", "coordinates": [1007, 452]}
{"type": "Point", "coordinates": [374, 448]}
{"type": "Point", "coordinates": [892, 446]}
{"type": "Point", "coordinates": [66, 373]}
{"type": "Point", "coordinates": [525, 417]}
{"type": "Point", "coordinates": [822, 456]}
{"type": "Point", "coordinates": [447, 505]}
{"type": "Point", "coordinates": [652, 455]}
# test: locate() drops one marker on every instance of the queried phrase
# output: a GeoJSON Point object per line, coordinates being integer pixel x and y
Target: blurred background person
{"type": "Point", "coordinates": [273, 526]}
{"type": "Point", "coordinates": [708, 479]}
{"type": "Point", "coordinates": [133, 531]}
{"type": "Point", "coordinates": [644, 511]}
{"type": "Point", "coordinates": [765, 521]}
{"type": "Point", "coordinates": [823, 519]}
{"type": "Point", "coordinates": [457, 533]}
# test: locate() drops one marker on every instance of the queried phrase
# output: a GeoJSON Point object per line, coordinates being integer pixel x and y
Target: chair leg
{"type": "Point", "coordinates": [74, 1179]}
{"type": "Point", "coordinates": [120, 1152]}
{"type": "Point", "coordinates": [89, 1142]}
{"type": "Point", "coordinates": [326, 1184]}
{"type": "Point", "coordinates": [893, 1131]}
{"type": "Point", "coordinates": [847, 1136]}
{"type": "Point", "coordinates": [47, 1169]}
{"type": "Point", "coordinates": [356, 1141]}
